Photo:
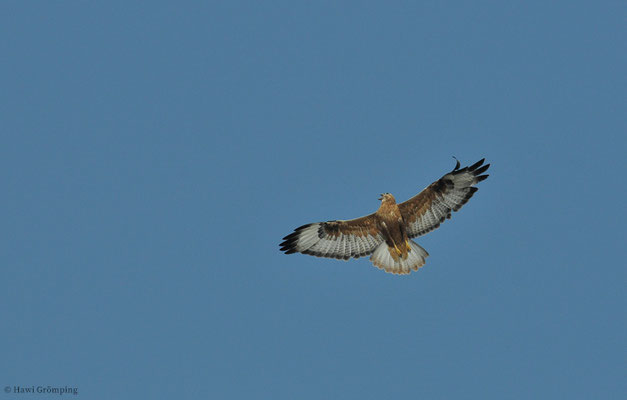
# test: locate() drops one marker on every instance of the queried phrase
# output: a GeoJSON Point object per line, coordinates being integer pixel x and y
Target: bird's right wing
{"type": "Point", "coordinates": [335, 239]}
{"type": "Point", "coordinates": [425, 211]}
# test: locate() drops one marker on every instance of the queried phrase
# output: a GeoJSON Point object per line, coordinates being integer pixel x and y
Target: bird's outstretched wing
{"type": "Point", "coordinates": [335, 239]}
{"type": "Point", "coordinates": [429, 208]}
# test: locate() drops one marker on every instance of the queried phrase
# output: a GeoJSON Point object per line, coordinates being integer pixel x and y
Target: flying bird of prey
{"type": "Point", "coordinates": [386, 234]}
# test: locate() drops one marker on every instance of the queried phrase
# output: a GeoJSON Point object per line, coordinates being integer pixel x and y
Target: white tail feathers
{"type": "Point", "coordinates": [382, 259]}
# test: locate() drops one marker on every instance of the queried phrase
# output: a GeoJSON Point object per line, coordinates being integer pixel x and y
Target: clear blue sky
{"type": "Point", "coordinates": [154, 154]}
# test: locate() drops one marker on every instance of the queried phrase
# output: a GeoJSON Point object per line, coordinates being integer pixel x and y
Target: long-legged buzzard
{"type": "Point", "coordinates": [385, 235]}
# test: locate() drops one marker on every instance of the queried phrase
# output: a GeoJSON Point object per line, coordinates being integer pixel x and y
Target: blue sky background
{"type": "Point", "coordinates": [154, 154]}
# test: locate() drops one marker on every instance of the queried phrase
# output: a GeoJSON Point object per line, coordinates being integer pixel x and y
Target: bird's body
{"type": "Point", "coordinates": [386, 234]}
{"type": "Point", "coordinates": [391, 223]}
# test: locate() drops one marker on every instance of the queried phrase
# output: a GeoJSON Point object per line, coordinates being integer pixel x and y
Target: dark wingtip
{"type": "Point", "coordinates": [476, 165]}
{"type": "Point", "coordinates": [457, 165]}
{"type": "Point", "coordinates": [290, 236]}
{"type": "Point", "coordinates": [482, 177]}
{"type": "Point", "coordinates": [481, 170]}
{"type": "Point", "coordinates": [288, 247]}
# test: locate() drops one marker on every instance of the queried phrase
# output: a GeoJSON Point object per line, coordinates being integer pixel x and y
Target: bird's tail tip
{"type": "Point", "coordinates": [382, 258]}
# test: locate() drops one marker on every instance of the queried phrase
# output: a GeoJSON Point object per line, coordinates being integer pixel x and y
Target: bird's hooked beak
{"type": "Point", "coordinates": [380, 197]}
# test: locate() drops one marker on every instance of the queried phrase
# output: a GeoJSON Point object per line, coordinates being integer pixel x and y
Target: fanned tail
{"type": "Point", "coordinates": [383, 259]}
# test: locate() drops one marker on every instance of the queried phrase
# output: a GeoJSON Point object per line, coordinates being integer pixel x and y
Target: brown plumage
{"type": "Point", "coordinates": [386, 234]}
{"type": "Point", "coordinates": [390, 222]}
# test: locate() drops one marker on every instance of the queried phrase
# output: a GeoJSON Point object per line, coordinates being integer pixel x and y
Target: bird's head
{"type": "Point", "coordinates": [387, 198]}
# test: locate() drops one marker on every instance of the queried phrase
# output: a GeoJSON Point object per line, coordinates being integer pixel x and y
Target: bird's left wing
{"type": "Point", "coordinates": [429, 208]}
{"type": "Point", "coordinates": [335, 239]}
